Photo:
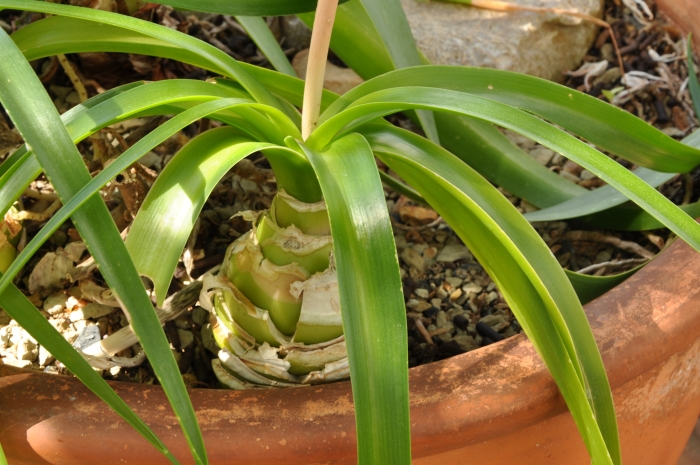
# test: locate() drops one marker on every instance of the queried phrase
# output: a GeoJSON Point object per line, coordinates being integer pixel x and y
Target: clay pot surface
{"type": "Point", "coordinates": [686, 14]}
{"type": "Point", "coordinates": [496, 405]}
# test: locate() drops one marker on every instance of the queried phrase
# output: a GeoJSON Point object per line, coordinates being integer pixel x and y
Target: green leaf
{"type": "Point", "coordinates": [399, 99]}
{"type": "Point", "coordinates": [523, 268]}
{"type": "Point", "coordinates": [163, 97]}
{"type": "Point", "coordinates": [160, 230]}
{"type": "Point", "coordinates": [483, 147]}
{"type": "Point", "coordinates": [608, 127]}
{"type": "Point", "coordinates": [591, 287]}
{"type": "Point", "coordinates": [262, 36]}
{"type": "Point", "coordinates": [160, 35]}
{"type": "Point", "coordinates": [121, 163]}
{"type": "Point", "coordinates": [477, 143]}
{"type": "Point", "coordinates": [37, 120]}
{"type": "Point", "coordinates": [246, 7]}
{"type": "Point", "coordinates": [632, 218]}
{"type": "Point", "coordinates": [371, 298]}
{"type": "Point", "coordinates": [391, 24]}
{"type": "Point", "coordinates": [693, 82]}
{"type": "Point", "coordinates": [3, 459]}
{"type": "Point", "coordinates": [28, 317]}
{"type": "Point", "coordinates": [598, 200]}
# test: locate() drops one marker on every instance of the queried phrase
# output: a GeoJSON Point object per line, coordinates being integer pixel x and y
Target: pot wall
{"type": "Point", "coordinates": [495, 405]}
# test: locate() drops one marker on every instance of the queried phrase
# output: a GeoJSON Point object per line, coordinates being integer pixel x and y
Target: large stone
{"type": "Point", "coordinates": [543, 45]}
{"type": "Point", "coordinates": [336, 79]}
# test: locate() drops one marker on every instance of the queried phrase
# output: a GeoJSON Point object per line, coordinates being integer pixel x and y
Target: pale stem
{"type": "Point", "coordinates": [318, 54]}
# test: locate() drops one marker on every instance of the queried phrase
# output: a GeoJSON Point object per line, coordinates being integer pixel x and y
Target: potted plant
{"type": "Point", "coordinates": [534, 284]}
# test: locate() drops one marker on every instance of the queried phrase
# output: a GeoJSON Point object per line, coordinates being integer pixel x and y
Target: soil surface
{"type": "Point", "coordinates": [452, 305]}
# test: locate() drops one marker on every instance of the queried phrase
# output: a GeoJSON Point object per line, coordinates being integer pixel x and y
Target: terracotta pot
{"type": "Point", "coordinates": [686, 14]}
{"type": "Point", "coordinates": [497, 405]}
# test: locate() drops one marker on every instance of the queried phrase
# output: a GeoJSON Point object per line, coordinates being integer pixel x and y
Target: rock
{"type": "Point", "coordinates": [420, 248]}
{"type": "Point", "coordinates": [91, 310]}
{"type": "Point", "coordinates": [413, 259]}
{"type": "Point", "coordinates": [88, 336]}
{"type": "Point", "coordinates": [422, 306]}
{"type": "Point", "coordinates": [493, 320]}
{"type": "Point", "coordinates": [208, 340]}
{"type": "Point", "coordinates": [422, 293]}
{"type": "Point", "coordinates": [543, 155]}
{"type": "Point", "coordinates": [12, 361]}
{"type": "Point", "coordinates": [200, 316]}
{"type": "Point", "coordinates": [441, 319]}
{"type": "Point", "coordinates": [55, 303]}
{"type": "Point", "coordinates": [186, 338]}
{"type": "Point", "coordinates": [493, 295]}
{"type": "Point", "coordinates": [416, 216]}
{"type": "Point", "coordinates": [45, 356]}
{"type": "Point", "coordinates": [296, 33]}
{"type": "Point", "coordinates": [337, 79]}
{"type": "Point", "coordinates": [454, 281]}
{"type": "Point", "coordinates": [456, 294]}
{"type": "Point", "coordinates": [400, 241]}
{"type": "Point", "coordinates": [586, 175]}
{"type": "Point", "coordinates": [27, 350]}
{"type": "Point", "coordinates": [5, 334]}
{"type": "Point", "coordinates": [569, 176]}
{"type": "Point", "coordinates": [472, 288]}
{"type": "Point", "coordinates": [452, 253]}
{"type": "Point", "coordinates": [467, 343]}
{"type": "Point", "coordinates": [542, 45]}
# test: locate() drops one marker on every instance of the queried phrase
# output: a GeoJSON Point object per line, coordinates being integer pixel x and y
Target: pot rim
{"type": "Point", "coordinates": [482, 394]}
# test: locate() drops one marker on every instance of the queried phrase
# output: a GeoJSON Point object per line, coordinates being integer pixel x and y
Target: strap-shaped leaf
{"type": "Point", "coordinates": [63, 34]}
{"type": "Point", "coordinates": [130, 156]}
{"type": "Point", "coordinates": [168, 214]}
{"type": "Point", "coordinates": [3, 459]}
{"type": "Point", "coordinates": [391, 24]}
{"type": "Point", "coordinates": [262, 36]}
{"type": "Point", "coordinates": [163, 97]}
{"type": "Point", "coordinates": [632, 218]}
{"type": "Point", "coordinates": [523, 267]}
{"type": "Point", "coordinates": [477, 143]}
{"type": "Point", "coordinates": [246, 7]}
{"type": "Point", "coordinates": [399, 99]}
{"type": "Point", "coordinates": [371, 299]}
{"type": "Point", "coordinates": [28, 316]}
{"type": "Point", "coordinates": [606, 126]}
{"type": "Point", "coordinates": [603, 198]}
{"type": "Point", "coordinates": [227, 65]}
{"type": "Point", "coordinates": [35, 116]}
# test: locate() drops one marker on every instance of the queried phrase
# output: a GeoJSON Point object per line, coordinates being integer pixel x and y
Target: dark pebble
{"type": "Point", "coordinates": [186, 360]}
{"type": "Point", "coordinates": [171, 332]}
{"type": "Point", "coordinates": [485, 311]}
{"type": "Point", "coordinates": [487, 331]}
{"type": "Point", "coordinates": [662, 114]}
{"type": "Point", "coordinates": [431, 312]}
{"type": "Point", "coordinates": [412, 362]}
{"type": "Point", "coordinates": [461, 322]}
{"type": "Point", "coordinates": [596, 89]}
{"type": "Point", "coordinates": [450, 349]}
{"type": "Point", "coordinates": [486, 342]}
{"type": "Point", "coordinates": [516, 326]}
